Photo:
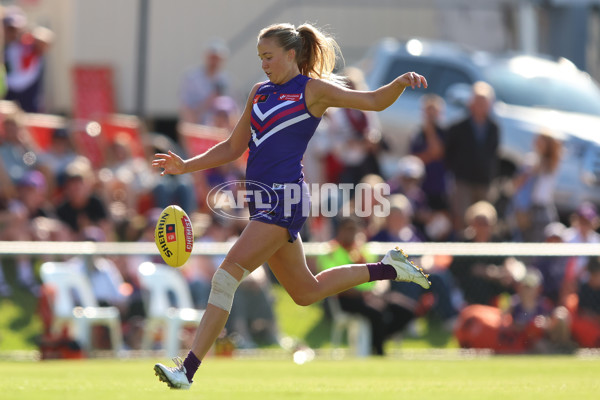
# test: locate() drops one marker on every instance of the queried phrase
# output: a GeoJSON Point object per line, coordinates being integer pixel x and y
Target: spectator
{"type": "Point", "coordinates": [529, 325]}
{"type": "Point", "coordinates": [201, 85]}
{"type": "Point", "coordinates": [364, 299]}
{"type": "Point", "coordinates": [553, 267]}
{"type": "Point", "coordinates": [31, 202]}
{"type": "Point", "coordinates": [80, 207]}
{"type": "Point", "coordinates": [128, 179]}
{"type": "Point", "coordinates": [17, 150]}
{"type": "Point", "coordinates": [172, 189]}
{"type": "Point", "coordinates": [586, 319]}
{"type": "Point", "coordinates": [533, 201]}
{"type": "Point", "coordinates": [367, 201]}
{"type": "Point", "coordinates": [7, 187]}
{"type": "Point", "coordinates": [33, 196]}
{"type": "Point", "coordinates": [398, 227]}
{"type": "Point", "coordinates": [356, 136]}
{"type": "Point", "coordinates": [25, 66]}
{"type": "Point", "coordinates": [319, 155]}
{"type": "Point", "coordinates": [472, 154]}
{"type": "Point", "coordinates": [225, 117]}
{"type": "Point", "coordinates": [225, 113]}
{"type": "Point", "coordinates": [407, 181]}
{"type": "Point", "coordinates": [53, 161]}
{"type": "Point", "coordinates": [13, 23]}
{"type": "Point", "coordinates": [429, 146]}
{"type": "Point", "coordinates": [534, 324]}
{"type": "Point", "coordinates": [583, 227]}
{"type": "Point", "coordinates": [481, 279]}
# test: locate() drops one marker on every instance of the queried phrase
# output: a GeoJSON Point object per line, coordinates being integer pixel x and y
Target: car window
{"type": "Point", "coordinates": [449, 76]}
{"type": "Point", "coordinates": [402, 65]}
{"type": "Point", "coordinates": [439, 76]}
{"type": "Point", "coordinates": [554, 92]}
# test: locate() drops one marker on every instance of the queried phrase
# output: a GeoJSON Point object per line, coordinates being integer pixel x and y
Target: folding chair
{"type": "Point", "coordinates": [160, 280]}
{"type": "Point", "coordinates": [69, 281]}
{"type": "Point", "coordinates": [356, 326]}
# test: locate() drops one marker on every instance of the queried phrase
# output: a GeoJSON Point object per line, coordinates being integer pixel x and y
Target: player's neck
{"type": "Point", "coordinates": [290, 75]}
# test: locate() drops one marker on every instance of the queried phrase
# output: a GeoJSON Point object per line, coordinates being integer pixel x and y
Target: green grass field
{"type": "Point", "coordinates": [401, 375]}
{"type": "Point", "coordinates": [483, 378]}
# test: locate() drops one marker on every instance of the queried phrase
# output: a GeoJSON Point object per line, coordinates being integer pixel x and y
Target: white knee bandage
{"type": "Point", "coordinates": [223, 288]}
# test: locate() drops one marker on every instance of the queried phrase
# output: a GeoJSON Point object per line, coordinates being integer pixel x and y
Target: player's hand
{"type": "Point", "coordinates": [171, 163]}
{"type": "Point", "coordinates": [413, 80]}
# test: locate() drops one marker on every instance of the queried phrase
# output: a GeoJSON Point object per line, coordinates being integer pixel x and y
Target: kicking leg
{"type": "Point", "coordinates": [288, 264]}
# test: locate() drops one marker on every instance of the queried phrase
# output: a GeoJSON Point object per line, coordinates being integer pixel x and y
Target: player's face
{"type": "Point", "coordinates": [279, 65]}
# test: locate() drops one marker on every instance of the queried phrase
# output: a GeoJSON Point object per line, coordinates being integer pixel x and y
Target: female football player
{"type": "Point", "coordinates": [280, 116]}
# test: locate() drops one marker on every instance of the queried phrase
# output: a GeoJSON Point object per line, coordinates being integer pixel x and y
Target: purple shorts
{"type": "Point", "coordinates": [284, 207]}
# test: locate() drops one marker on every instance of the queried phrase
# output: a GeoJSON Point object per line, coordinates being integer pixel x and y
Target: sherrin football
{"type": "Point", "coordinates": [174, 236]}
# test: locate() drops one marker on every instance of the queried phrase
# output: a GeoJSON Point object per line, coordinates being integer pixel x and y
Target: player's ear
{"type": "Point", "coordinates": [291, 55]}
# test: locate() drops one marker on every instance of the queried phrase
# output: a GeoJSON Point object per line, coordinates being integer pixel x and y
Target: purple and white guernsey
{"type": "Point", "coordinates": [281, 128]}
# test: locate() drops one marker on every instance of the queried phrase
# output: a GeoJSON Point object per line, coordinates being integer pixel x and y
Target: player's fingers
{"type": "Point", "coordinates": [413, 80]}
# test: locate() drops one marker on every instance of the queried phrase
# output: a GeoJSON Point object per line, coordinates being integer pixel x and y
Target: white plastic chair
{"type": "Point", "coordinates": [356, 326]}
{"type": "Point", "coordinates": [159, 280]}
{"type": "Point", "coordinates": [67, 279]}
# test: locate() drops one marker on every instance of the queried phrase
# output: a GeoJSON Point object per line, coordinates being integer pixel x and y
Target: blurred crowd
{"type": "Point", "coordinates": [446, 189]}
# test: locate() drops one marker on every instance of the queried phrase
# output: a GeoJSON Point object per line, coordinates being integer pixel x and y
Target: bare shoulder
{"type": "Point", "coordinates": [255, 88]}
{"type": "Point", "coordinates": [252, 94]}
{"type": "Point", "coordinates": [320, 95]}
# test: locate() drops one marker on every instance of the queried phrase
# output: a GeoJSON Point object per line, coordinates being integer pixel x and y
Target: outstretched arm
{"type": "Point", "coordinates": [230, 149]}
{"type": "Point", "coordinates": [323, 94]}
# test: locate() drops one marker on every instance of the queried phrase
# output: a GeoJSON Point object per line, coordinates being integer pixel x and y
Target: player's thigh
{"type": "Point", "coordinates": [289, 266]}
{"type": "Point", "coordinates": [253, 248]}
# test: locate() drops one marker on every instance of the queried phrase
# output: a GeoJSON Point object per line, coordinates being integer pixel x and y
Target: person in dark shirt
{"type": "Point", "coordinates": [481, 279]}
{"type": "Point", "coordinates": [586, 320]}
{"type": "Point", "coordinates": [471, 153]}
{"type": "Point", "coordinates": [429, 146]}
{"type": "Point", "coordinates": [553, 267]}
{"type": "Point", "coordinates": [80, 207]}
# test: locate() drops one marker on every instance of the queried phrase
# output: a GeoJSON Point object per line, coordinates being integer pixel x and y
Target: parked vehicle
{"type": "Point", "coordinates": [532, 92]}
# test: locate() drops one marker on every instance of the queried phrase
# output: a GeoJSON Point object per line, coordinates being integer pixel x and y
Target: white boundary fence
{"type": "Point", "coordinates": [310, 248]}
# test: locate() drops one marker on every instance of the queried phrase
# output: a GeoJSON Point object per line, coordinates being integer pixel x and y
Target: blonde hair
{"type": "Point", "coordinates": [552, 153]}
{"type": "Point", "coordinates": [316, 53]}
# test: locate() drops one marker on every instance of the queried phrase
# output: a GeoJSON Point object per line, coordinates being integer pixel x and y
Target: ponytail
{"type": "Point", "coordinates": [316, 53]}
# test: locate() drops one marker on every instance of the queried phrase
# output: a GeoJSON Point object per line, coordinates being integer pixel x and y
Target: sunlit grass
{"type": "Point", "coordinates": [375, 378]}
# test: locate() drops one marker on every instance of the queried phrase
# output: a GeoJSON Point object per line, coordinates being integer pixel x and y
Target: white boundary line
{"type": "Point", "coordinates": [310, 248]}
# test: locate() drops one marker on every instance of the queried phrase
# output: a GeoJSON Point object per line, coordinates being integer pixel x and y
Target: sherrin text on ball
{"type": "Point", "coordinates": [174, 236]}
